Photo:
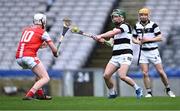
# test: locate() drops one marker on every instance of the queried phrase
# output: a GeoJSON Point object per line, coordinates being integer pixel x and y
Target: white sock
{"type": "Point", "coordinates": [149, 90]}
{"type": "Point", "coordinates": [111, 91]}
{"type": "Point", "coordinates": [136, 87]}
{"type": "Point", "coordinates": [168, 86]}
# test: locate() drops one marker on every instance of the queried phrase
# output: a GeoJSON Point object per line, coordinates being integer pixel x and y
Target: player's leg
{"type": "Point", "coordinates": [146, 79]}
{"type": "Point", "coordinates": [41, 72]}
{"type": "Point", "coordinates": [144, 65]}
{"type": "Point", "coordinates": [122, 71]}
{"type": "Point", "coordinates": [40, 93]}
{"type": "Point", "coordinates": [156, 60]}
{"type": "Point", "coordinates": [164, 79]}
{"type": "Point", "coordinates": [109, 70]}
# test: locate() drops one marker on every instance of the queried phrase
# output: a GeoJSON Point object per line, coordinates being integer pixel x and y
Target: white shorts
{"type": "Point", "coordinates": [121, 59]}
{"type": "Point", "coordinates": [152, 56]}
{"type": "Point", "coordinates": [28, 62]}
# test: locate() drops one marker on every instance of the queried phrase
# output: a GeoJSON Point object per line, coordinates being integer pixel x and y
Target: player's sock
{"type": "Point", "coordinates": [112, 91]}
{"type": "Point", "coordinates": [136, 87]}
{"type": "Point", "coordinates": [168, 88]}
{"type": "Point", "coordinates": [149, 91]}
{"type": "Point", "coordinates": [40, 92]}
{"type": "Point", "coordinates": [31, 92]}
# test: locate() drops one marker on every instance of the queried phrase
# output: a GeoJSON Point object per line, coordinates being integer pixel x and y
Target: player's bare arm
{"type": "Point", "coordinates": [109, 34]}
{"type": "Point", "coordinates": [44, 45]}
{"type": "Point", "coordinates": [53, 48]}
{"type": "Point", "coordinates": [101, 40]}
{"type": "Point", "coordinates": [154, 39]}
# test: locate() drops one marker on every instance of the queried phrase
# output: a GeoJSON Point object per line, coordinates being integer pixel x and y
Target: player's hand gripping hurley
{"type": "Point", "coordinates": [66, 25]}
{"type": "Point", "coordinates": [76, 30]}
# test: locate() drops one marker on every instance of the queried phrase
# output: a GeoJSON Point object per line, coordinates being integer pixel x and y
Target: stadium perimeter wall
{"type": "Point", "coordinates": [83, 82]}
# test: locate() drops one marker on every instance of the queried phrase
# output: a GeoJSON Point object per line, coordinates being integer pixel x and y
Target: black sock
{"type": "Point", "coordinates": [168, 89]}
{"type": "Point", "coordinates": [149, 91]}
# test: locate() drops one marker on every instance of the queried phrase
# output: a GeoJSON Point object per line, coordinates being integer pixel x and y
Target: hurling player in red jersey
{"type": "Point", "coordinates": [33, 37]}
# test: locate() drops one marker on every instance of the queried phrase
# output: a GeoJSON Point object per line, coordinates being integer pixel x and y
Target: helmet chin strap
{"type": "Point", "coordinates": [42, 24]}
{"type": "Point", "coordinates": [117, 24]}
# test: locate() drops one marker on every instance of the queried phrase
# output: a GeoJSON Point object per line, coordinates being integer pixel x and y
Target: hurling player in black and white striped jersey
{"type": "Point", "coordinates": [147, 34]}
{"type": "Point", "coordinates": [122, 53]}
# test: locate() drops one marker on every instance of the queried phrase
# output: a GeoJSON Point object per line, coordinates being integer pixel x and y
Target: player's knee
{"type": "Point", "coordinates": [145, 73]}
{"type": "Point", "coordinates": [123, 78]}
{"type": "Point", "coordinates": [46, 79]}
{"type": "Point", "coordinates": [106, 76]}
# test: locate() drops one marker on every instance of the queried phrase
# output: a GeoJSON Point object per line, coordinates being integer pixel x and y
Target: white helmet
{"type": "Point", "coordinates": [39, 19]}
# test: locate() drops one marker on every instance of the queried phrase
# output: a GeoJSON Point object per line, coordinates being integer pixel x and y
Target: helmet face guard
{"type": "Point", "coordinates": [40, 19]}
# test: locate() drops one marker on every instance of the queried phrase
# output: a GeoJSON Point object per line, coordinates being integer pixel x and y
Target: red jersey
{"type": "Point", "coordinates": [31, 40]}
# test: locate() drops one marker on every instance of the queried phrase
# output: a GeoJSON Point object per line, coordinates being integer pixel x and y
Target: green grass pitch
{"type": "Point", "coordinates": [90, 103]}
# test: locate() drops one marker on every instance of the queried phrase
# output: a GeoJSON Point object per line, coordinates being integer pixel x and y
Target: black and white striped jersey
{"type": "Point", "coordinates": [123, 40]}
{"type": "Point", "coordinates": [150, 30]}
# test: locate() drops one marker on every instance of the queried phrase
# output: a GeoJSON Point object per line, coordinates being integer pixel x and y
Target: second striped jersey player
{"type": "Point", "coordinates": [147, 33]}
